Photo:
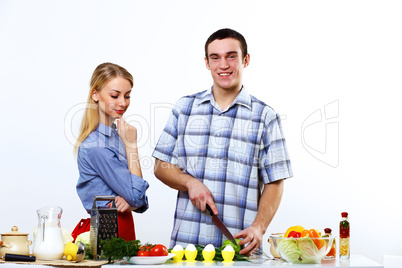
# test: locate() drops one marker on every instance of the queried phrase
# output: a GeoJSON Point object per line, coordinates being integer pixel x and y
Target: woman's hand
{"type": "Point", "coordinates": [127, 133]}
{"type": "Point", "coordinates": [122, 205]}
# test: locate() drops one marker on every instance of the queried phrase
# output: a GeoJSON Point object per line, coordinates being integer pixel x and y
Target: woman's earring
{"type": "Point", "coordinates": [93, 97]}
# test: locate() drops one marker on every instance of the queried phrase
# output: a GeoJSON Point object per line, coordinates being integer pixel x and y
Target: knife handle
{"type": "Point", "coordinates": [210, 210]}
{"type": "Point", "coordinates": [18, 257]}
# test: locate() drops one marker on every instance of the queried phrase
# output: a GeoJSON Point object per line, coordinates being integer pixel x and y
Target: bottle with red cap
{"type": "Point", "coordinates": [332, 252]}
{"type": "Point", "coordinates": [344, 236]}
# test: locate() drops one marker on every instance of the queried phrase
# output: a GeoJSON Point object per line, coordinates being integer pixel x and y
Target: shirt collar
{"type": "Point", "coordinates": [243, 98]}
{"type": "Point", "coordinates": [105, 130]}
{"type": "Point", "coordinates": [206, 96]}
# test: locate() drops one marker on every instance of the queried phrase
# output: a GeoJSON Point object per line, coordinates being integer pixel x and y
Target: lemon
{"type": "Point", "coordinates": [70, 251]}
{"type": "Point", "coordinates": [296, 228]}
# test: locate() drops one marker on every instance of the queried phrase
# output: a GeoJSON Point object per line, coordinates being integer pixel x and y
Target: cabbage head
{"type": "Point", "coordinates": [84, 238]}
{"type": "Point", "coordinates": [309, 251]}
{"type": "Point", "coordinates": [289, 250]}
{"type": "Point", "coordinates": [302, 250]}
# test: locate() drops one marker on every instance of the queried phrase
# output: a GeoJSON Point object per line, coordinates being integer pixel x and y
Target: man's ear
{"type": "Point", "coordinates": [246, 60]}
{"type": "Point", "coordinates": [207, 63]}
{"type": "Point", "coordinates": [95, 96]}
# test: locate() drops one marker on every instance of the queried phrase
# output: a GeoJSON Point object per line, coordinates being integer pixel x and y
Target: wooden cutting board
{"type": "Point", "coordinates": [83, 263]}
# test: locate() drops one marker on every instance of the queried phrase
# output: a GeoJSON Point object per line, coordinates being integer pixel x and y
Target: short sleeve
{"type": "Point", "coordinates": [274, 158]}
{"type": "Point", "coordinates": [165, 149]}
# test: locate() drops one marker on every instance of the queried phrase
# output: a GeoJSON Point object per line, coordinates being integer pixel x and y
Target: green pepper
{"type": "Point", "coordinates": [236, 247]}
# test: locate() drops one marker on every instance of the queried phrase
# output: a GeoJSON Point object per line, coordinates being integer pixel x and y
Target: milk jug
{"type": "Point", "coordinates": [48, 241]}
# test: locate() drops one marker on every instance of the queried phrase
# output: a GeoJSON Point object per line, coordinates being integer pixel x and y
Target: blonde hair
{"type": "Point", "coordinates": [100, 77]}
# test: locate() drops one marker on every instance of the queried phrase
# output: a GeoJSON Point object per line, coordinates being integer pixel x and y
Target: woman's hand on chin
{"type": "Point", "coordinates": [127, 133]}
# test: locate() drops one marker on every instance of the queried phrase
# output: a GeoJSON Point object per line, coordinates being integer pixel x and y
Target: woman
{"type": "Point", "coordinates": [108, 159]}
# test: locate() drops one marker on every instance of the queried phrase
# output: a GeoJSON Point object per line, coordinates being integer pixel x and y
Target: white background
{"type": "Point", "coordinates": [340, 58]}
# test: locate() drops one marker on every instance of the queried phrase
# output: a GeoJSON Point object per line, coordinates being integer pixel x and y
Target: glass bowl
{"type": "Point", "coordinates": [303, 249]}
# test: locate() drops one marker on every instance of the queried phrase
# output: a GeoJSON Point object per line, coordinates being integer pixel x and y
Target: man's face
{"type": "Point", "coordinates": [226, 63]}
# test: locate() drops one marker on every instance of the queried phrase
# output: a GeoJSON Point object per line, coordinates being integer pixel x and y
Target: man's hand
{"type": "Point", "coordinates": [251, 235]}
{"type": "Point", "coordinates": [269, 202]}
{"type": "Point", "coordinates": [200, 195]}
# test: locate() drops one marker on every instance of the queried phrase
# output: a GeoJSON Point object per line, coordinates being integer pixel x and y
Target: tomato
{"type": "Point", "coordinates": [159, 250]}
{"type": "Point", "coordinates": [146, 247]}
{"type": "Point", "coordinates": [143, 253]}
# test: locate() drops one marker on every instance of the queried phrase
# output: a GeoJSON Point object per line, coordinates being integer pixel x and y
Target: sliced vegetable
{"type": "Point", "coordinates": [304, 233]}
{"type": "Point", "coordinates": [312, 233]}
{"type": "Point", "coordinates": [236, 247]}
{"type": "Point", "coordinates": [294, 234]}
{"type": "Point", "coordinates": [296, 228]}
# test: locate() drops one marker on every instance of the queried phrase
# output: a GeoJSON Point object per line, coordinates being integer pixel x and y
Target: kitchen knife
{"type": "Point", "coordinates": [18, 257]}
{"type": "Point", "coordinates": [27, 258]}
{"type": "Point", "coordinates": [218, 223]}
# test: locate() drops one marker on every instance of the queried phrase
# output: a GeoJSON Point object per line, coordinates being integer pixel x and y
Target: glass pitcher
{"type": "Point", "coordinates": [48, 241]}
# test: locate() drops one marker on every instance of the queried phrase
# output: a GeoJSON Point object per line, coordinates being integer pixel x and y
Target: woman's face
{"type": "Point", "coordinates": [113, 100]}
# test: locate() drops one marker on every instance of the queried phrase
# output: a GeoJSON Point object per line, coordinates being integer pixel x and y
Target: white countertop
{"type": "Point", "coordinates": [355, 261]}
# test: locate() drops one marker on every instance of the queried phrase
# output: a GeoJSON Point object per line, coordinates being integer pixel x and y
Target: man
{"type": "Point", "coordinates": [225, 148]}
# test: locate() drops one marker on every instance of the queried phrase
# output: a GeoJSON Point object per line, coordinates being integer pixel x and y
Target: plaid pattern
{"type": "Point", "coordinates": [233, 152]}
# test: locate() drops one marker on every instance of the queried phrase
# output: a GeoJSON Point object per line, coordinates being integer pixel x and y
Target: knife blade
{"type": "Point", "coordinates": [218, 223]}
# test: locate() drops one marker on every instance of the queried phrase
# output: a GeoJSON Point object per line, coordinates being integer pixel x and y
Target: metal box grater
{"type": "Point", "coordinates": [103, 224]}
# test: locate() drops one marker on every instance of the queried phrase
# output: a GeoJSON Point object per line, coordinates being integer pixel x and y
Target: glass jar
{"type": "Point", "coordinates": [48, 238]}
{"type": "Point", "coordinates": [332, 252]}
